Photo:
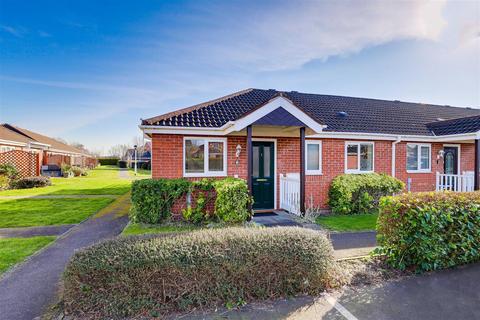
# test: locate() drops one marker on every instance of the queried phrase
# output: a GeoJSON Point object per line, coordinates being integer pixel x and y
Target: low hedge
{"type": "Point", "coordinates": [429, 231]}
{"type": "Point", "coordinates": [32, 182]}
{"type": "Point", "coordinates": [150, 276]}
{"type": "Point", "coordinates": [360, 193]}
{"type": "Point", "coordinates": [152, 199]}
{"type": "Point", "coordinates": [211, 200]}
{"type": "Point", "coordinates": [108, 161]}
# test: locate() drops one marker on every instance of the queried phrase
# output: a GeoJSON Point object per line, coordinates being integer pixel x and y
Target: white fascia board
{"type": "Point", "coordinates": [13, 143]}
{"type": "Point", "coordinates": [275, 103]}
{"type": "Point", "coordinates": [391, 137]}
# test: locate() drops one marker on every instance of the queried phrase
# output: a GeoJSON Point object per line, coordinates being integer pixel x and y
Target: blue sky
{"type": "Point", "coordinates": [87, 71]}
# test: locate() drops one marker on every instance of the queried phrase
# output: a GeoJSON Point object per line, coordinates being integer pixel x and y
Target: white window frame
{"type": "Point", "coordinates": [358, 144]}
{"type": "Point", "coordinates": [419, 158]}
{"type": "Point", "coordinates": [313, 172]}
{"type": "Point", "coordinates": [206, 172]}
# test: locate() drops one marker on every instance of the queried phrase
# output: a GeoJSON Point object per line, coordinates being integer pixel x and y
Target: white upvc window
{"type": "Point", "coordinates": [204, 157]}
{"type": "Point", "coordinates": [419, 157]}
{"type": "Point", "coordinates": [313, 156]}
{"type": "Point", "coordinates": [359, 157]}
{"type": "Point", "coordinates": [6, 148]}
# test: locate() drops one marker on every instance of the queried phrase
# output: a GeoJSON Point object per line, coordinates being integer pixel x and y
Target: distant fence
{"type": "Point", "coordinates": [27, 163]}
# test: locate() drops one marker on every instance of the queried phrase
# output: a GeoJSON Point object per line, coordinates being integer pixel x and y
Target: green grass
{"type": "Point", "coordinates": [358, 222]}
{"type": "Point", "coordinates": [139, 228]}
{"type": "Point", "coordinates": [43, 212]}
{"type": "Point", "coordinates": [102, 180]}
{"type": "Point", "coordinates": [15, 250]}
{"type": "Point", "coordinates": [141, 173]}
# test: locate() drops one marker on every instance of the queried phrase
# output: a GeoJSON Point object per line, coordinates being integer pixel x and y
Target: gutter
{"type": "Point", "coordinates": [394, 154]}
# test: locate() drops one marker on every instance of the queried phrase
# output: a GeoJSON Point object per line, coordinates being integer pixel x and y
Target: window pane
{"type": "Point", "coordinates": [215, 156]}
{"type": "Point", "coordinates": [266, 162]}
{"type": "Point", "coordinates": [366, 157]}
{"type": "Point", "coordinates": [313, 157]}
{"type": "Point", "coordinates": [194, 160]}
{"type": "Point", "coordinates": [425, 158]}
{"type": "Point", "coordinates": [412, 157]}
{"type": "Point", "coordinates": [352, 157]}
{"type": "Point", "coordinates": [256, 161]}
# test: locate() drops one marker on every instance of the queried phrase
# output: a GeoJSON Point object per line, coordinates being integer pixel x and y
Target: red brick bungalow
{"type": "Point", "coordinates": [290, 145]}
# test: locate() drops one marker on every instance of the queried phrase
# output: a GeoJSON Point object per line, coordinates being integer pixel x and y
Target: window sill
{"type": "Point", "coordinates": [313, 173]}
{"type": "Point", "coordinates": [419, 171]}
{"type": "Point", "coordinates": [204, 175]}
{"type": "Point", "coordinates": [358, 172]}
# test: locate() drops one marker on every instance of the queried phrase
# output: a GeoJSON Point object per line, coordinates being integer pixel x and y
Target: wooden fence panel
{"type": "Point", "coordinates": [27, 163]}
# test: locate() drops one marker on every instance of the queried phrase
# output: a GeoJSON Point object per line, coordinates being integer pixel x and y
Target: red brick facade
{"type": "Point", "coordinates": [167, 162]}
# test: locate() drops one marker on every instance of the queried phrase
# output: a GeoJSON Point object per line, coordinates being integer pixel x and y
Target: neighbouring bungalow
{"type": "Point", "coordinates": [32, 153]}
{"type": "Point", "coordinates": [290, 145]}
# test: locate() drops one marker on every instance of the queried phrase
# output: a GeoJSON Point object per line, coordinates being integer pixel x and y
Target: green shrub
{"type": "Point", "coordinates": [232, 200]}
{"type": "Point", "coordinates": [108, 161]}
{"type": "Point", "coordinates": [360, 193]}
{"type": "Point", "coordinates": [152, 199]}
{"type": "Point", "coordinates": [78, 171]}
{"type": "Point", "coordinates": [202, 209]}
{"type": "Point", "coordinates": [8, 174]}
{"type": "Point", "coordinates": [32, 182]}
{"type": "Point", "coordinates": [428, 231]}
{"type": "Point", "coordinates": [137, 276]}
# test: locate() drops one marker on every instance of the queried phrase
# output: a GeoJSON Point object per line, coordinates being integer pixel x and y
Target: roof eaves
{"type": "Point", "coordinates": [166, 116]}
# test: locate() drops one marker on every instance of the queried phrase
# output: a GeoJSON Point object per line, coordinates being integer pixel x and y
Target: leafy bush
{"type": "Point", "coordinates": [32, 182]}
{"type": "Point", "coordinates": [428, 231]}
{"type": "Point", "coordinates": [232, 200]}
{"type": "Point", "coordinates": [201, 208]}
{"type": "Point", "coordinates": [8, 174]}
{"type": "Point", "coordinates": [152, 199]}
{"type": "Point", "coordinates": [108, 161]}
{"type": "Point", "coordinates": [153, 275]}
{"type": "Point", "coordinates": [78, 171]}
{"type": "Point", "coordinates": [360, 193]}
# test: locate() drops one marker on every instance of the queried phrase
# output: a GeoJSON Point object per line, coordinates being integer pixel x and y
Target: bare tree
{"type": "Point", "coordinates": [118, 150]}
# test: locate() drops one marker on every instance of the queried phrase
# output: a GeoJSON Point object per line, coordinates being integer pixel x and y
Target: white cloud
{"type": "Point", "coordinates": [292, 34]}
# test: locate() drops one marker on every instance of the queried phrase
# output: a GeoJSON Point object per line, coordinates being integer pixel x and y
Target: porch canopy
{"type": "Point", "coordinates": [278, 117]}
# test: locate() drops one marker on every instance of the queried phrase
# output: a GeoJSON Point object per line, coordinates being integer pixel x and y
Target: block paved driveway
{"type": "Point", "coordinates": [444, 295]}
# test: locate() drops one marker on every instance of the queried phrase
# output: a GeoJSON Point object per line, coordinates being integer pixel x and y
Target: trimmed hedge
{"type": "Point", "coordinates": [150, 276]}
{"type": "Point", "coordinates": [152, 200]}
{"type": "Point", "coordinates": [429, 231]}
{"type": "Point", "coordinates": [360, 193]}
{"type": "Point", "coordinates": [32, 182]}
{"type": "Point", "coordinates": [108, 161]}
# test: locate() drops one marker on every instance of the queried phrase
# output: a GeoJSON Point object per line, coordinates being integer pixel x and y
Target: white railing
{"type": "Point", "coordinates": [455, 182]}
{"type": "Point", "coordinates": [290, 192]}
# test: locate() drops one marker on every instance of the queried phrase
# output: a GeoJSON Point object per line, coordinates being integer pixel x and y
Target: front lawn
{"type": "Point", "coordinates": [141, 173]}
{"type": "Point", "coordinates": [343, 223]}
{"type": "Point", "coordinates": [15, 250]}
{"type": "Point", "coordinates": [101, 180]}
{"type": "Point", "coordinates": [45, 212]}
{"type": "Point", "coordinates": [140, 228]}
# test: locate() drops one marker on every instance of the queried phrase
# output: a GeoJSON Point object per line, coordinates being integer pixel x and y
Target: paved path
{"type": "Point", "coordinates": [34, 231]}
{"type": "Point", "coordinates": [61, 196]}
{"type": "Point", "coordinates": [28, 289]}
{"type": "Point", "coordinates": [123, 173]}
{"type": "Point", "coordinates": [448, 294]}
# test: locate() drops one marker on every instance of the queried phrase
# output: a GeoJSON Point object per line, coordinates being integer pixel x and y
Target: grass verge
{"type": "Point", "coordinates": [46, 212]}
{"type": "Point", "coordinates": [15, 250]}
{"type": "Point", "coordinates": [343, 223]}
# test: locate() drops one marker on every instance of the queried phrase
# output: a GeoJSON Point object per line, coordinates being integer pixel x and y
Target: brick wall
{"type": "Point", "coordinates": [27, 163]}
{"type": "Point", "coordinates": [167, 161]}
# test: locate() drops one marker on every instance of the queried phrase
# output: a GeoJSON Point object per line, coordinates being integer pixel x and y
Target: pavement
{"type": "Point", "coordinates": [443, 295]}
{"type": "Point", "coordinates": [34, 231]}
{"type": "Point", "coordinates": [29, 288]}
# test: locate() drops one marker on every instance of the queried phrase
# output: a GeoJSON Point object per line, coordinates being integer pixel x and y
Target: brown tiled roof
{"type": "Point", "coordinates": [9, 135]}
{"type": "Point", "coordinates": [30, 136]}
{"type": "Point", "coordinates": [339, 113]}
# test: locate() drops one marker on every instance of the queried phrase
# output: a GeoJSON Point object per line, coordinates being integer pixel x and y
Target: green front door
{"type": "Point", "coordinates": [263, 182]}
